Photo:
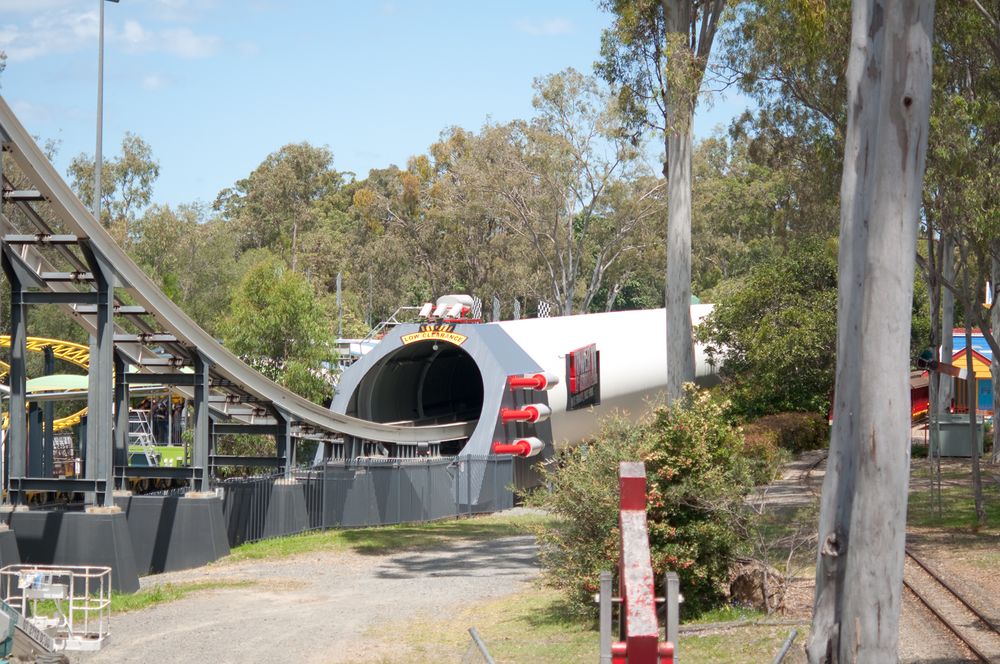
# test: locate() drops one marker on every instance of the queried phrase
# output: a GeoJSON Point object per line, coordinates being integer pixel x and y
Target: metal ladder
{"type": "Point", "coordinates": [139, 433]}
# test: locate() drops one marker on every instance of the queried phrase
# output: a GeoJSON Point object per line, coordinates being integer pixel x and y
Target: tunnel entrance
{"type": "Point", "coordinates": [428, 382]}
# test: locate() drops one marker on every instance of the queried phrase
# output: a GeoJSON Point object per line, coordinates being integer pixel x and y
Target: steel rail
{"type": "Point", "coordinates": [78, 220]}
{"type": "Point", "coordinates": [937, 577]}
{"type": "Point", "coordinates": [944, 620]}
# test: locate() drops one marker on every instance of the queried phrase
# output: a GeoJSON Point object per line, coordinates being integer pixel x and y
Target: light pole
{"type": "Point", "coordinates": [100, 111]}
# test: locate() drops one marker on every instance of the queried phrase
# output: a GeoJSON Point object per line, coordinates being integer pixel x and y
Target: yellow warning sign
{"type": "Point", "coordinates": [435, 332]}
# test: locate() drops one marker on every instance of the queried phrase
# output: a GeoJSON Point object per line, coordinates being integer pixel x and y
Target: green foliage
{"type": "Point", "coordinates": [769, 439]}
{"type": "Point", "coordinates": [697, 479]}
{"type": "Point", "coordinates": [775, 334]}
{"type": "Point", "coordinates": [277, 204]}
{"type": "Point", "coordinates": [276, 323]}
{"type": "Point", "coordinates": [193, 259]}
{"type": "Point", "coordinates": [126, 184]}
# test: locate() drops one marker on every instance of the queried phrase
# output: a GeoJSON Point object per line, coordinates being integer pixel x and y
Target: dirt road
{"type": "Point", "coordinates": [317, 607]}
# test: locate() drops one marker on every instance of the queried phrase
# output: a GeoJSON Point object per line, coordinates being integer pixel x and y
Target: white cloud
{"type": "Point", "coordinates": [185, 43]}
{"type": "Point", "coordinates": [58, 31]}
{"type": "Point", "coordinates": [134, 34]}
{"type": "Point", "coordinates": [248, 48]}
{"type": "Point", "coordinates": [67, 31]}
{"type": "Point", "coordinates": [153, 82]}
{"type": "Point", "coordinates": [550, 27]}
{"type": "Point", "coordinates": [181, 10]}
{"type": "Point", "coordinates": [37, 5]}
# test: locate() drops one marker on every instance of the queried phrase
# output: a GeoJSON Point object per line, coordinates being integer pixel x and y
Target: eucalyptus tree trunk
{"type": "Point", "coordinates": [680, 348]}
{"type": "Point", "coordinates": [863, 512]}
{"type": "Point", "coordinates": [677, 169]}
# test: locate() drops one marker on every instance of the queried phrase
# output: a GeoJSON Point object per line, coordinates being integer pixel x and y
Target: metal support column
{"type": "Point", "coordinates": [604, 622]}
{"type": "Point", "coordinates": [101, 388]}
{"type": "Point", "coordinates": [17, 429]}
{"type": "Point", "coordinates": [672, 594]}
{"type": "Point", "coordinates": [121, 437]}
{"type": "Point", "coordinates": [48, 416]}
{"type": "Point", "coordinates": [285, 442]}
{"type": "Point", "coordinates": [202, 427]}
{"type": "Point", "coordinates": [35, 451]}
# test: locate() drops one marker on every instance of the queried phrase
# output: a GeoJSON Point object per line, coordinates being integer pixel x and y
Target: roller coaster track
{"type": "Point", "coordinates": [51, 243]}
{"type": "Point", "coordinates": [67, 351]}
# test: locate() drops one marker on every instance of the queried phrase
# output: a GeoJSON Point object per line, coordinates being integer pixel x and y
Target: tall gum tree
{"type": "Point", "coordinates": [863, 511]}
{"type": "Point", "coordinates": [656, 52]}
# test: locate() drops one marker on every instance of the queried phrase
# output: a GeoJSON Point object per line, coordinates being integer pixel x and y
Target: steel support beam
{"type": "Point", "coordinates": [285, 441]}
{"type": "Point", "coordinates": [165, 472]}
{"type": "Point", "coordinates": [36, 453]}
{"type": "Point", "coordinates": [40, 238]}
{"type": "Point", "coordinates": [120, 457]}
{"type": "Point", "coordinates": [202, 427]}
{"type": "Point", "coordinates": [100, 391]}
{"type": "Point", "coordinates": [61, 298]}
{"type": "Point", "coordinates": [249, 429]}
{"type": "Point", "coordinates": [250, 461]}
{"type": "Point", "coordinates": [17, 429]}
{"type": "Point", "coordinates": [48, 416]}
{"type": "Point", "coordinates": [188, 379]}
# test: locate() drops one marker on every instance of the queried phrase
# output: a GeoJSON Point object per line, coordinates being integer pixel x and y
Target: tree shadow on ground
{"type": "Point", "coordinates": [380, 541]}
{"type": "Point", "coordinates": [510, 556]}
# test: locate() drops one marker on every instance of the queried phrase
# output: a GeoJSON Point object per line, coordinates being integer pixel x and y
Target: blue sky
{"type": "Point", "coordinates": [216, 85]}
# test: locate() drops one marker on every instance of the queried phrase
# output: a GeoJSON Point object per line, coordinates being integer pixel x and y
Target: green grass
{"type": "Point", "coordinates": [148, 597]}
{"type": "Point", "coordinates": [391, 539]}
{"type": "Point", "coordinates": [957, 508]}
{"type": "Point", "coordinates": [757, 643]}
{"type": "Point", "coordinates": [534, 626]}
{"type": "Point", "coordinates": [728, 613]}
{"type": "Point", "coordinates": [530, 626]}
{"type": "Point", "coordinates": [168, 592]}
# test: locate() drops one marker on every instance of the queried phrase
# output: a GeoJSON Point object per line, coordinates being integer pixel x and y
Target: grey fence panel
{"type": "Point", "coordinates": [497, 476]}
{"type": "Point", "coordinates": [385, 488]}
{"type": "Point", "coordinates": [244, 506]}
{"type": "Point", "coordinates": [375, 492]}
{"type": "Point", "coordinates": [356, 498]}
{"type": "Point", "coordinates": [336, 482]}
{"type": "Point", "coordinates": [441, 497]}
{"type": "Point", "coordinates": [412, 490]}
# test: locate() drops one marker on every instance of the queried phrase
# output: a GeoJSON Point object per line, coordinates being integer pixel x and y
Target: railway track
{"type": "Point", "coordinates": [975, 630]}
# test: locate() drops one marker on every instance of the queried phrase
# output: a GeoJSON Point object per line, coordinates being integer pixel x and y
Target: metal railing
{"type": "Point", "coordinates": [79, 597]}
{"type": "Point", "coordinates": [370, 492]}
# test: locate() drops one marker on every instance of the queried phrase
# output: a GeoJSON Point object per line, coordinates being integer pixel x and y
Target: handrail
{"type": "Point", "coordinates": [642, 643]}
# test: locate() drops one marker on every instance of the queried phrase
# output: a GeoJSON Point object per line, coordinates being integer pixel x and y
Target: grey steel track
{"type": "Point", "coordinates": [238, 391]}
{"type": "Point", "coordinates": [960, 599]}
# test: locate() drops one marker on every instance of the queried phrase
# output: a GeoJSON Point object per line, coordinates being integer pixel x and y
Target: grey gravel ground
{"type": "Point", "coordinates": [317, 607]}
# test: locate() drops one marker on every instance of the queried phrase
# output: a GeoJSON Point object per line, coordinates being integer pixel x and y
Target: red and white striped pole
{"type": "Point", "coordinates": [523, 447]}
{"type": "Point", "coordinates": [536, 412]}
{"type": "Point", "coordinates": [536, 381]}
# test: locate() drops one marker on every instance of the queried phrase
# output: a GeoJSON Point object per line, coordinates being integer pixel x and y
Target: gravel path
{"type": "Point", "coordinates": [317, 607]}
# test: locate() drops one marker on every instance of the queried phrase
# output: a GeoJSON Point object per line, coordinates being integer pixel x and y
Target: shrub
{"type": "Point", "coordinates": [769, 439]}
{"type": "Point", "coordinates": [697, 479]}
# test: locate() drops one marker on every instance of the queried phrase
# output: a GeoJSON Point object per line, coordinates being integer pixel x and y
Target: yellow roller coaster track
{"type": "Point", "coordinates": [67, 351]}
